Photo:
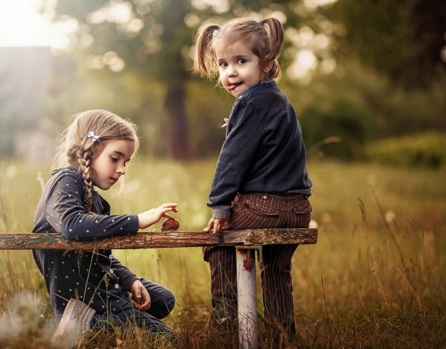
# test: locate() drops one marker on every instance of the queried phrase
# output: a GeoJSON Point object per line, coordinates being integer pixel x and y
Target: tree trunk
{"type": "Point", "coordinates": [175, 37]}
{"type": "Point", "coordinates": [176, 122]}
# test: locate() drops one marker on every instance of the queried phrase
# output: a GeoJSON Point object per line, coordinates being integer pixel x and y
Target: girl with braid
{"type": "Point", "coordinates": [261, 180]}
{"type": "Point", "coordinates": [90, 290]}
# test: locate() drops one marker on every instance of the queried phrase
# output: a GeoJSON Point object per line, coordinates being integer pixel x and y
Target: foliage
{"type": "Point", "coordinates": [402, 39]}
{"type": "Point", "coordinates": [381, 263]}
{"type": "Point", "coordinates": [356, 95]}
{"type": "Point", "coordinates": [153, 39]}
{"type": "Point", "coordinates": [425, 150]}
{"type": "Point", "coordinates": [343, 120]}
{"type": "Point", "coordinates": [371, 50]}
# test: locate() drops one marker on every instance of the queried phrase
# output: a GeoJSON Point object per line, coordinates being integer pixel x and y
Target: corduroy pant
{"type": "Point", "coordinates": [257, 210]}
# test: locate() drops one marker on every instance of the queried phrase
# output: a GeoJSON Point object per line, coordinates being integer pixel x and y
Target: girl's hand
{"type": "Point", "coordinates": [146, 219]}
{"type": "Point", "coordinates": [215, 224]}
{"type": "Point", "coordinates": [140, 297]}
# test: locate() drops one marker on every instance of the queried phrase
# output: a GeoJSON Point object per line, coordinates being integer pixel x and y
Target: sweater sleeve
{"type": "Point", "coordinates": [125, 275]}
{"type": "Point", "coordinates": [238, 153]}
{"type": "Point", "coordinates": [66, 215]}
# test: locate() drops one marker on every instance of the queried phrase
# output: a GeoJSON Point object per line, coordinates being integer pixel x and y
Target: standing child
{"type": "Point", "coordinates": [91, 290]}
{"type": "Point", "coordinates": [260, 180]}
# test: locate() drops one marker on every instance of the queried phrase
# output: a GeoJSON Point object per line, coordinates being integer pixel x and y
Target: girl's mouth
{"type": "Point", "coordinates": [231, 87]}
{"type": "Point", "coordinates": [114, 180]}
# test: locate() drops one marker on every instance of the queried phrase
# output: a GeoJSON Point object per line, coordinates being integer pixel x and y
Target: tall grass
{"type": "Point", "coordinates": [374, 279]}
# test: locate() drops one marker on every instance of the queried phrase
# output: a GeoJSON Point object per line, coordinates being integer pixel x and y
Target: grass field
{"type": "Point", "coordinates": [375, 279]}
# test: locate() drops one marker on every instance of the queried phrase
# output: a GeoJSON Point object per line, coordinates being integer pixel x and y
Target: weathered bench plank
{"type": "Point", "coordinates": [164, 239]}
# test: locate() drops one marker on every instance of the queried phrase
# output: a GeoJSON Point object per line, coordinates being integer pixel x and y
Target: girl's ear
{"type": "Point", "coordinates": [267, 67]}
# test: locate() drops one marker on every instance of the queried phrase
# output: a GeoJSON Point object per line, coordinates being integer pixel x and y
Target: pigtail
{"type": "Point", "coordinates": [276, 40]}
{"type": "Point", "coordinates": [84, 160]}
{"type": "Point", "coordinates": [204, 62]}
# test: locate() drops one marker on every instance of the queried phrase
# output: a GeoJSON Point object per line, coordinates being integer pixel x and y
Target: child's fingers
{"type": "Point", "coordinates": [171, 205]}
{"type": "Point", "coordinates": [210, 225]}
{"type": "Point", "coordinates": [168, 216]}
{"type": "Point", "coordinates": [168, 207]}
{"type": "Point", "coordinates": [218, 225]}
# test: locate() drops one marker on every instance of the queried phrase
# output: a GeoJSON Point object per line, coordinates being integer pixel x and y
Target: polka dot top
{"type": "Point", "coordinates": [96, 278]}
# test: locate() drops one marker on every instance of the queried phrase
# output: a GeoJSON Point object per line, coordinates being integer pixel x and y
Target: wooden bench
{"type": "Point", "coordinates": [245, 241]}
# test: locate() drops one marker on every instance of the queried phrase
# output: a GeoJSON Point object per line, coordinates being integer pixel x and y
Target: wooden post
{"type": "Point", "coordinates": [246, 298]}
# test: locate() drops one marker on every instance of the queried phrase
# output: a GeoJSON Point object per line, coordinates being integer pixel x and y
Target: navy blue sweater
{"type": "Point", "coordinates": [97, 277]}
{"type": "Point", "coordinates": [263, 151]}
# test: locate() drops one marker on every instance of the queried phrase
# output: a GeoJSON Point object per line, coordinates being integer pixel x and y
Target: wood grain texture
{"type": "Point", "coordinates": [165, 239]}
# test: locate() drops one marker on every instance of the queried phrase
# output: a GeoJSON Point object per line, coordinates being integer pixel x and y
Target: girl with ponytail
{"type": "Point", "coordinates": [91, 290]}
{"type": "Point", "coordinates": [261, 180]}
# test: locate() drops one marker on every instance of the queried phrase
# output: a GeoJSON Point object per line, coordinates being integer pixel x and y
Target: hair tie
{"type": "Point", "coordinates": [261, 22]}
{"type": "Point", "coordinates": [92, 135]}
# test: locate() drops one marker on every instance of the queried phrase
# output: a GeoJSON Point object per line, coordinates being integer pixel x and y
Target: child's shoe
{"type": "Point", "coordinates": [75, 320]}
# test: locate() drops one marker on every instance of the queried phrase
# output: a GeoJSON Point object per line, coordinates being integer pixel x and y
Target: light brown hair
{"type": "Point", "coordinates": [265, 38]}
{"type": "Point", "coordinates": [77, 149]}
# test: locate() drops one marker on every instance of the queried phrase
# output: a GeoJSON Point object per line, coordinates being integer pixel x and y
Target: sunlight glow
{"type": "Point", "coordinates": [219, 6]}
{"type": "Point", "coordinates": [22, 25]}
{"type": "Point", "coordinates": [29, 23]}
{"type": "Point", "coordinates": [312, 4]}
{"type": "Point", "coordinates": [303, 65]}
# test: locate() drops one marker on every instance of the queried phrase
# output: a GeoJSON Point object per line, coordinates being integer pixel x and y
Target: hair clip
{"type": "Point", "coordinates": [261, 22]}
{"type": "Point", "coordinates": [92, 135]}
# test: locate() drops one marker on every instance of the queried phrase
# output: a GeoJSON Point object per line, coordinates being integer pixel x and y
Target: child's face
{"type": "Point", "coordinates": [109, 165]}
{"type": "Point", "coordinates": [240, 69]}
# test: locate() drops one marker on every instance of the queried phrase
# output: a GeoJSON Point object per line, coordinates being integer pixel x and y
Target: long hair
{"type": "Point", "coordinates": [77, 149]}
{"type": "Point", "coordinates": [265, 38]}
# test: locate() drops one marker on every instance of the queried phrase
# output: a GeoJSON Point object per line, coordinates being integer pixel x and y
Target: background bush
{"type": "Point", "coordinates": [425, 150]}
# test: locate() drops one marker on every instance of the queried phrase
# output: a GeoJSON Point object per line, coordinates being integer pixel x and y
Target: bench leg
{"type": "Point", "coordinates": [246, 298]}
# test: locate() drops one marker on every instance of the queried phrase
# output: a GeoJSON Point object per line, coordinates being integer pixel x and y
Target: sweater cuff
{"type": "Point", "coordinates": [221, 212]}
{"type": "Point", "coordinates": [128, 282]}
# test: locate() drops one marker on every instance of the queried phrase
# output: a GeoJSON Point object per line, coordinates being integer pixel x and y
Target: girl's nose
{"type": "Point", "coordinates": [232, 71]}
{"type": "Point", "coordinates": [121, 170]}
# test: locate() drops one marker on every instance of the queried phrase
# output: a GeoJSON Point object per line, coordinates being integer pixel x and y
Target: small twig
{"type": "Point", "coordinates": [327, 140]}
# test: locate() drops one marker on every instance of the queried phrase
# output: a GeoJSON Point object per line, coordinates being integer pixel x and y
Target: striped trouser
{"type": "Point", "coordinates": [255, 210]}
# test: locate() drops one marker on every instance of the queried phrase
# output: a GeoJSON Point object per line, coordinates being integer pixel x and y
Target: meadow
{"type": "Point", "coordinates": [375, 279]}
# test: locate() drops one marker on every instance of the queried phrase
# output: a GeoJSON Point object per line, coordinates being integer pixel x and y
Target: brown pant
{"type": "Point", "coordinates": [256, 210]}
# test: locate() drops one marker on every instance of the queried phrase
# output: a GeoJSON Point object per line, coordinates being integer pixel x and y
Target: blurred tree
{"type": "Point", "coordinates": [8, 120]}
{"type": "Point", "coordinates": [153, 38]}
{"type": "Point", "coordinates": [147, 38]}
{"type": "Point", "coordinates": [404, 39]}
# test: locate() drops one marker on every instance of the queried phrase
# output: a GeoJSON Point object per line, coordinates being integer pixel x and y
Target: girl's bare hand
{"type": "Point", "coordinates": [215, 224]}
{"type": "Point", "coordinates": [140, 297]}
{"type": "Point", "coordinates": [146, 219]}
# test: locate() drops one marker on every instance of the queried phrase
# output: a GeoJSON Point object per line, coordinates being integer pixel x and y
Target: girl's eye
{"type": "Point", "coordinates": [241, 61]}
{"type": "Point", "coordinates": [223, 64]}
{"type": "Point", "coordinates": [114, 159]}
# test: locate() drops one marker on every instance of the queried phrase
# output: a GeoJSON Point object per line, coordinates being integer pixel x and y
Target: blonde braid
{"type": "Point", "coordinates": [84, 160]}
